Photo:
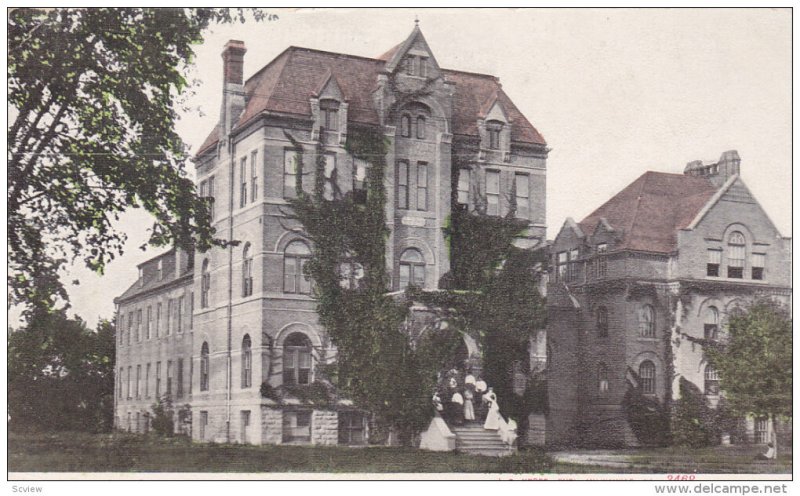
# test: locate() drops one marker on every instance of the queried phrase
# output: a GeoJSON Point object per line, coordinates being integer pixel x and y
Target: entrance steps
{"type": "Point", "coordinates": [473, 439]}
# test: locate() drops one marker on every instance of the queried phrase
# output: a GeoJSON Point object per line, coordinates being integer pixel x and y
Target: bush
{"type": "Point", "coordinates": [163, 415]}
{"type": "Point", "coordinates": [695, 423]}
{"type": "Point", "coordinates": [647, 417]}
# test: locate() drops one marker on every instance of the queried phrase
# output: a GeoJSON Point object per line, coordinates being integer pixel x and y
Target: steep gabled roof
{"type": "Point", "coordinates": [286, 85]}
{"type": "Point", "coordinates": [650, 210]}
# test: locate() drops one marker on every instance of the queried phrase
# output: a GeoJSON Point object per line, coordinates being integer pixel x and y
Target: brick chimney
{"type": "Point", "coordinates": [232, 84]}
{"type": "Point", "coordinates": [720, 171]}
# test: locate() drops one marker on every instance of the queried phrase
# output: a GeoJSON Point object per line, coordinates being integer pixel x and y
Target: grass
{"type": "Point", "coordinates": [118, 452]}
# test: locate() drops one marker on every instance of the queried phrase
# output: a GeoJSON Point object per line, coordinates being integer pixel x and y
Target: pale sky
{"type": "Point", "coordinates": [615, 92]}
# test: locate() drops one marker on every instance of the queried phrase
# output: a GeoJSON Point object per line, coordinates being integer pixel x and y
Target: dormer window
{"type": "Point", "coordinates": [494, 128]}
{"type": "Point", "coordinates": [329, 115]}
{"type": "Point", "coordinates": [423, 66]}
{"type": "Point", "coordinates": [408, 64]}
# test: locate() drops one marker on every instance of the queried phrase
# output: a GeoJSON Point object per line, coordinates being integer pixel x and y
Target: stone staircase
{"type": "Point", "coordinates": [472, 438]}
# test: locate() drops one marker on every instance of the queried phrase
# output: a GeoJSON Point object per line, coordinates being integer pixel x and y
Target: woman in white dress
{"type": "Point", "coordinates": [493, 417]}
{"type": "Point", "coordinates": [469, 407]}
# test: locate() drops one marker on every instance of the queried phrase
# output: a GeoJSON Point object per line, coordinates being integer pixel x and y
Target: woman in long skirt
{"type": "Point", "coordinates": [469, 407]}
{"type": "Point", "coordinates": [493, 417]}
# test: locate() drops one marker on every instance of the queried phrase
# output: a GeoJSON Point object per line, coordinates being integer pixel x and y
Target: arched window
{"type": "Point", "coordinates": [647, 376]}
{"type": "Point", "coordinates": [602, 322]}
{"type": "Point", "coordinates": [711, 323]}
{"type": "Point", "coordinates": [494, 128]}
{"type": "Point", "coordinates": [405, 126]}
{"type": "Point", "coordinates": [420, 127]}
{"type": "Point", "coordinates": [247, 362]}
{"type": "Point", "coordinates": [205, 284]}
{"type": "Point", "coordinates": [602, 378]}
{"type": "Point", "coordinates": [711, 381]}
{"type": "Point", "coordinates": [295, 257]}
{"type": "Point", "coordinates": [297, 359]}
{"type": "Point", "coordinates": [736, 254]}
{"type": "Point", "coordinates": [247, 271]}
{"type": "Point", "coordinates": [204, 367]}
{"type": "Point", "coordinates": [412, 269]}
{"type": "Point", "coordinates": [647, 322]}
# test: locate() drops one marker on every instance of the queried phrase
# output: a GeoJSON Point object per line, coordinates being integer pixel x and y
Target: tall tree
{"type": "Point", "coordinates": [755, 362]}
{"type": "Point", "coordinates": [93, 96]}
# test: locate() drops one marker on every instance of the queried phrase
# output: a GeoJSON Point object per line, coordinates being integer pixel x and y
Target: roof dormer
{"type": "Point", "coordinates": [413, 58]}
{"type": "Point", "coordinates": [494, 127]}
{"type": "Point", "coordinates": [329, 110]}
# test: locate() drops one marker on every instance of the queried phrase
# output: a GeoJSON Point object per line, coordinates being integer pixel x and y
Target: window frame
{"type": "Point", "coordinates": [415, 269]}
{"type": "Point", "coordinates": [463, 185]}
{"type": "Point", "coordinates": [205, 369]}
{"type": "Point", "coordinates": [422, 186]}
{"type": "Point", "coordinates": [419, 123]}
{"type": "Point", "coordinates": [602, 378]}
{"type": "Point", "coordinates": [494, 128]}
{"type": "Point", "coordinates": [290, 191]}
{"type": "Point", "coordinates": [301, 284]}
{"type": "Point", "coordinates": [647, 382]}
{"type": "Point", "coordinates": [247, 362]}
{"type": "Point", "coordinates": [711, 381]}
{"type": "Point", "coordinates": [205, 284]}
{"type": "Point", "coordinates": [493, 208]}
{"type": "Point", "coordinates": [737, 245]}
{"type": "Point", "coordinates": [247, 271]}
{"type": "Point", "coordinates": [602, 321]}
{"type": "Point", "coordinates": [403, 185]}
{"type": "Point", "coordinates": [254, 175]}
{"type": "Point", "coordinates": [713, 262]}
{"type": "Point", "coordinates": [405, 125]}
{"type": "Point", "coordinates": [647, 321]}
{"type": "Point", "coordinates": [243, 182]}
{"type": "Point", "coordinates": [523, 202]}
{"type": "Point", "coordinates": [294, 357]}
{"type": "Point", "coordinates": [758, 262]}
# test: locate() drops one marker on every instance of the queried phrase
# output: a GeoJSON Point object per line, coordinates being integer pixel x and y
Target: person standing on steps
{"type": "Point", "coordinates": [493, 417]}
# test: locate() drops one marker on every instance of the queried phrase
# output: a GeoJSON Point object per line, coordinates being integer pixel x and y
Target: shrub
{"type": "Point", "coordinates": [163, 414]}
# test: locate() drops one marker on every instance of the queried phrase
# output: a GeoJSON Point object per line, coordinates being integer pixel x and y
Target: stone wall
{"type": "Point", "coordinates": [324, 427]}
{"type": "Point", "coordinates": [271, 425]}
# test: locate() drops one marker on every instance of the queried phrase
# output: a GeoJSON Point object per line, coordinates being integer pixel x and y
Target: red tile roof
{"type": "Point", "coordinates": [651, 210]}
{"type": "Point", "coordinates": [286, 84]}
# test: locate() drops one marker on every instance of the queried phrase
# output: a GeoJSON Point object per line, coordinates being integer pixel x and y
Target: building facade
{"type": "Point", "coordinates": [639, 284]}
{"type": "Point", "coordinates": [217, 329]}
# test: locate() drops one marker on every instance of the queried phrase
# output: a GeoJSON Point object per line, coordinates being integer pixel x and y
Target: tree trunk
{"type": "Point", "coordinates": [774, 436]}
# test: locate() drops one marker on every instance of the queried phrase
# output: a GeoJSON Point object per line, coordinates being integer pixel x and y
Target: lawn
{"type": "Point", "coordinates": [80, 452]}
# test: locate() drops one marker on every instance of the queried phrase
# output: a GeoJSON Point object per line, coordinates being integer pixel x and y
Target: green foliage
{"type": "Point", "coordinates": [269, 392]}
{"type": "Point", "coordinates": [647, 417]}
{"type": "Point", "coordinates": [163, 416]}
{"type": "Point", "coordinates": [61, 374]}
{"type": "Point", "coordinates": [317, 393]}
{"type": "Point", "coordinates": [693, 420]}
{"type": "Point", "coordinates": [94, 96]}
{"type": "Point", "coordinates": [755, 361]}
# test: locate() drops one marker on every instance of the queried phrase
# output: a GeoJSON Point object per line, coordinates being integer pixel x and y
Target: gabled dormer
{"type": "Point", "coordinates": [329, 111]}
{"type": "Point", "coordinates": [494, 127]}
{"type": "Point", "coordinates": [412, 59]}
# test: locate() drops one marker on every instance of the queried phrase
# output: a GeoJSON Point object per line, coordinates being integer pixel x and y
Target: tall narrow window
{"type": "Point", "coordinates": [714, 260]}
{"type": "Point", "coordinates": [205, 285]}
{"type": "Point", "coordinates": [247, 271]}
{"type": "Point", "coordinates": [711, 377]}
{"type": "Point", "coordinates": [120, 390]}
{"type": "Point", "coordinates": [359, 181]}
{"type": "Point", "coordinates": [297, 359]}
{"type": "Point", "coordinates": [130, 327]}
{"type": "Point", "coordinates": [412, 269]}
{"type": "Point", "coordinates": [423, 66]}
{"type": "Point", "coordinates": [522, 195]}
{"type": "Point", "coordinates": [139, 324]}
{"type": "Point", "coordinates": [329, 110]}
{"type": "Point", "coordinates": [160, 269]}
{"type": "Point", "coordinates": [149, 323]}
{"type": "Point", "coordinates": [290, 172]}
{"type": "Point", "coordinates": [757, 264]}
{"type": "Point", "coordinates": [179, 311]}
{"type": "Point", "coordinates": [761, 430]}
{"type": "Point", "coordinates": [602, 267]}
{"type": "Point", "coordinates": [158, 379]}
{"type": "Point", "coordinates": [602, 322]}
{"type": "Point", "coordinates": [420, 127]}
{"type": "Point", "coordinates": [402, 184]}
{"type": "Point", "coordinates": [647, 322]}
{"type": "Point", "coordinates": [463, 186]}
{"type": "Point", "coordinates": [494, 128]}
{"type": "Point", "coordinates": [562, 261]}
{"type": "Point", "coordinates": [405, 126]}
{"type": "Point", "coordinates": [203, 425]}
{"type": "Point", "coordinates": [330, 176]}
{"type": "Point", "coordinates": [130, 368]}
{"type": "Point", "coordinates": [138, 381]}
{"type": "Point", "coordinates": [408, 65]}
{"type": "Point", "coordinates": [247, 362]}
{"type": "Point", "coordinates": [147, 381]}
{"type": "Point", "coordinates": [647, 376]}
{"type": "Point", "coordinates": [211, 197]}
{"type": "Point", "coordinates": [736, 251]}
{"type": "Point", "coordinates": [422, 186]}
{"type": "Point", "coordinates": [243, 182]}
{"type": "Point", "coordinates": [295, 257]}
{"type": "Point", "coordinates": [169, 377]}
{"type": "Point", "coordinates": [179, 379]}
{"type": "Point", "coordinates": [574, 267]}
{"type": "Point", "coordinates": [602, 378]}
{"type": "Point", "coordinates": [493, 192]}
{"type": "Point", "coordinates": [158, 319]}
{"type": "Point", "coordinates": [711, 324]}
{"type": "Point", "coordinates": [254, 175]}
{"type": "Point", "coordinates": [170, 313]}
{"type": "Point", "coordinates": [191, 310]}
{"type": "Point", "coordinates": [204, 367]}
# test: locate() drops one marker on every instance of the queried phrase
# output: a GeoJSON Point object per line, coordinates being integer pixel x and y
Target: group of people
{"type": "Point", "coordinates": [458, 401]}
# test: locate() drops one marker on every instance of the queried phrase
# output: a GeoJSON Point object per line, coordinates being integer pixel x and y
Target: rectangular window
{"type": "Point", "coordinates": [330, 118]}
{"type": "Point", "coordinates": [160, 269]}
{"type": "Point", "coordinates": [493, 192]}
{"type": "Point", "coordinates": [245, 421]}
{"type": "Point", "coordinates": [158, 379]}
{"type": "Point", "coordinates": [211, 197]}
{"type": "Point", "coordinates": [179, 311]}
{"type": "Point", "coordinates": [121, 374]}
{"type": "Point", "coordinates": [573, 267]}
{"type": "Point", "coordinates": [191, 310]}
{"type": "Point", "coordinates": [359, 181]}
{"type": "Point", "coordinates": [129, 391]}
{"type": "Point", "coordinates": [203, 425]}
{"type": "Point", "coordinates": [330, 176]}
{"type": "Point", "coordinates": [130, 326]}
{"type": "Point", "coordinates": [179, 377]}
{"type": "Point", "coordinates": [713, 263]}
{"type": "Point", "coordinates": [297, 426]}
{"type": "Point", "coordinates": [561, 266]}
{"type": "Point", "coordinates": [351, 428]}
{"type": "Point", "coordinates": [736, 261]}
{"type": "Point", "coordinates": [243, 182]}
{"type": "Point", "coordinates": [254, 175]}
{"type": "Point", "coordinates": [521, 184]}
{"type": "Point", "coordinates": [422, 186]}
{"type": "Point", "coordinates": [402, 184]}
{"type": "Point", "coordinates": [290, 172]}
{"type": "Point", "coordinates": [423, 66]}
{"type": "Point", "coordinates": [158, 320]}
{"type": "Point", "coordinates": [138, 381]}
{"type": "Point", "coordinates": [758, 262]}
{"type": "Point", "coordinates": [761, 431]}
{"type": "Point", "coordinates": [147, 381]}
{"type": "Point", "coordinates": [463, 186]}
{"type": "Point", "coordinates": [139, 324]}
{"type": "Point", "coordinates": [602, 267]}
{"type": "Point", "coordinates": [148, 325]}
{"type": "Point", "coordinates": [170, 312]}
{"type": "Point", "coordinates": [169, 377]}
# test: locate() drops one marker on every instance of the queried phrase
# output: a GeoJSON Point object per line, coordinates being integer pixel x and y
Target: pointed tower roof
{"type": "Point", "coordinates": [396, 54]}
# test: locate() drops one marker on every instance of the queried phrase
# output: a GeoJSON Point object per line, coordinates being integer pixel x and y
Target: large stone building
{"type": "Point", "coordinates": [639, 284]}
{"type": "Point", "coordinates": [211, 328]}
